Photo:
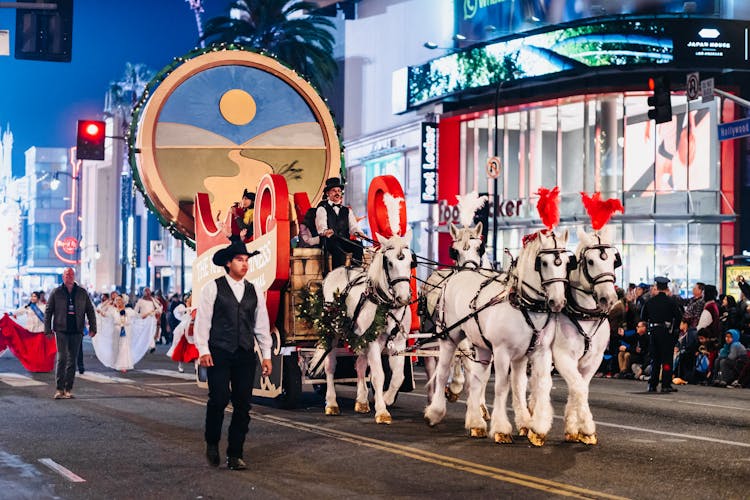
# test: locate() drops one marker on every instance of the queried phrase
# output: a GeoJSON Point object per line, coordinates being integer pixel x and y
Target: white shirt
{"type": "Point", "coordinates": [147, 306]}
{"type": "Point", "coordinates": [205, 314]}
{"type": "Point", "coordinates": [321, 219]}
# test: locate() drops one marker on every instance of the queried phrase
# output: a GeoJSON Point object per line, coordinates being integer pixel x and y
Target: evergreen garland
{"type": "Point", "coordinates": [333, 324]}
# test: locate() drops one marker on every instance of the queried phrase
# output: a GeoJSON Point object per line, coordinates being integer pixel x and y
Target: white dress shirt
{"type": "Point", "coordinates": [321, 219]}
{"type": "Point", "coordinates": [205, 314]}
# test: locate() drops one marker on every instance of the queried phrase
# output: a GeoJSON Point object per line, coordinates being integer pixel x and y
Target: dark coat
{"type": "Point", "coordinates": [57, 309]}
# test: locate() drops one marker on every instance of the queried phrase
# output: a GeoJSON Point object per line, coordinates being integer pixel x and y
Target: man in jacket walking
{"type": "Point", "coordinates": [67, 309]}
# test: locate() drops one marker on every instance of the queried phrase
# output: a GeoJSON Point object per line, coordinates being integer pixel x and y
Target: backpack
{"type": "Point", "coordinates": [701, 363]}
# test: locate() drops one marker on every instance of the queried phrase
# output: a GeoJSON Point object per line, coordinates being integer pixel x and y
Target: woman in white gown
{"type": "Point", "coordinates": [31, 316]}
{"type": "Point", "coordinates": [123, 337]}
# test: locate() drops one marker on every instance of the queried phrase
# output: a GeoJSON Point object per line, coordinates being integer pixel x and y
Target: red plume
{"type": "Point", "coordinates": [548, 206]}
{"type": "Point", "coordinates": [600, 211]}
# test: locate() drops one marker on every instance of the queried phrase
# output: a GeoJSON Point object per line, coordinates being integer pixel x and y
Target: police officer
{"type": "Point", "coordinates": [662, 315]}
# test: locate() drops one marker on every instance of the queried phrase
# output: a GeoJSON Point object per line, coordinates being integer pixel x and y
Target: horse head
{"type": "Point", "coordinates": [597, 261]}
{"type": "Point", "coordinates": [391, 267]}
{"type": "Point", "coordinates": [468, 246]}
{"type": "Point", "coordinates": [542, 268]}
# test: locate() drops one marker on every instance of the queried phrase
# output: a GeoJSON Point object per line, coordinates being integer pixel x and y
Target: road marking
{"type": "Point", "coordinates": [638, 429]}
{"type": "Point", "coordinates": [170, 373]}
{"type": "Point", "coordinates": [66, 473]}
{"type": "Point", "coordinates": [17, 380]}
{"type": "Point", "coordinates": [503, 475]}
{"type": "Point", "coordinates": [507, 476]}
{"type": "Point", "coordinates": [713, 405]}
{"type": "Point", "coordinates": [104, 379]}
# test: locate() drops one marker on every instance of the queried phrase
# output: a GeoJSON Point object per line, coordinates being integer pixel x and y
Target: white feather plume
{"type": "Point", "coordinates": [393, 207]}
{"type": "Point", "coordinates": [468, 205]}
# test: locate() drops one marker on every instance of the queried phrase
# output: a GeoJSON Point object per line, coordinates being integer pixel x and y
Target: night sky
{"type": "Point", "coordinates": [43, 100]}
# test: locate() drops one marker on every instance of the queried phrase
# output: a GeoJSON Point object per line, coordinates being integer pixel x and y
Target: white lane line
{"type": "Point", "coordinates": [104, 379]}
{"type": "Point", "coordinates": [713, 405]}
{"type": "Point", "coordinates": [169, 384]}
{"type": "Point", "coordinates": [66, 473]}
{"type": "Point", "coordinates": [638, 429]}
{"type": "Point", "coordinates": [17, 380]}
{"type": "Point", "coordinates": [170, 373]}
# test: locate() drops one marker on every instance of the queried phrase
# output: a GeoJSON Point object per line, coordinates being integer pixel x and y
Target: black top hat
{"type": "Point", "coordinates": [333, 182]}
{"type": "Point", "coordinates": [236, 247]}
{"type": "Point", "coordinates": [247, 194]}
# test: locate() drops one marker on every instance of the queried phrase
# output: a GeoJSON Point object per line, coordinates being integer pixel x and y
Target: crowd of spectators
{"type": "Point", "coordinates": [711, 340]}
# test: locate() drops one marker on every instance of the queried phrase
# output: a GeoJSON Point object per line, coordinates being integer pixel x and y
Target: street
{"type": "Point", "coordinates": [140, 435]}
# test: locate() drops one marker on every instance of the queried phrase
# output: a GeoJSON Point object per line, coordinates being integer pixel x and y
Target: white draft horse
{"type": "Point", "coordinates": [467, 251]}
{"type": "Point", "coordinates": [506, 325]}
{"type": "Point", "coordinates": [583, 334]}
{"type": "Point", "coordinates": [385, 282]}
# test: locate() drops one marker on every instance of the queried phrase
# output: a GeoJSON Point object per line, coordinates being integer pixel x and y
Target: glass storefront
{"type": "Point", "coordinates": [667, 177]}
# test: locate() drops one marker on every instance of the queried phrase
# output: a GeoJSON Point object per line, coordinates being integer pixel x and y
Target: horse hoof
{"type": "Point", "coordinates": [523, 431]}
{"type": "Point", "coordinates": [589, 439]}
{"type": "Point", "coordinates": [477, 432]}
{"type": "Point", "coordinates": [333, 410]}
{"type": "Point", "coordinates": [451, 396]}
{"type": "Point", "coordinates": [385, 418]}
{"type": "Point", "coordinates": [485, 413]}
{"type": "Point", "coordinates": [501, 438]}
{"type": "Point", "coordinates": [571, 438]}
{"type": "Point", "coordinates": [362, 407]}
{"type": "Point", "coordinates": [535, 439]}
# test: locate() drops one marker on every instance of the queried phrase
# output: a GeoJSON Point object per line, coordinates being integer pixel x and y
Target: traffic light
{"type": "Point", "coordinates": [661, 101]}
{"type": "Point", "coordinates": [90, 142]}
{"type": "Point", "coordinates": [44, 34]}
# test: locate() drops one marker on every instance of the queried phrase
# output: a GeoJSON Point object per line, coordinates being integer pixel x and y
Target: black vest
{"type": "Point", "coordinates": [233, 323]}
{"type": "Point", "coordinates": [339, 223]}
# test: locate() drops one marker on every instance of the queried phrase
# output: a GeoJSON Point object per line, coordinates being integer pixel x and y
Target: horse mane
{"type": "Point", "coordinates": [527, 255]}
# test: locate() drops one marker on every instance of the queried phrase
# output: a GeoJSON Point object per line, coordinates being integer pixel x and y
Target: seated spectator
{"type": "Point", "coordinates": [731, 360]}
{"type": "Point", "coordinates": [686, 349]}
{"type": "Point", "coordinates": [708, 347]}
{"type": "Point", "coordinates": [638, 354]}
{"type": "Point", "coordinates": [729, 318]}
{"type": "Point", "coordinates": [710, 316]}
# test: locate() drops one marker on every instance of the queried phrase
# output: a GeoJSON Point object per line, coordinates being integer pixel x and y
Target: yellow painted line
{"type": "Point", "coordinates": [503, 475]}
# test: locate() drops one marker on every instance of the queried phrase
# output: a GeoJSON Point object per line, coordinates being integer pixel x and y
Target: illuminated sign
{"type": "Point", "coordinates": [451, 214]}
{"type": "Point", "coordinates": [578, 49]}
{"type": "Point", "coordinates": [429, 163]}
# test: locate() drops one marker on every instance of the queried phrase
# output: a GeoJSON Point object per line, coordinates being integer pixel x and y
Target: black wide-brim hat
{"type": "Point", "coordinates": [333, 182]}
{"type": "Point", "coordinates": [236, 247]}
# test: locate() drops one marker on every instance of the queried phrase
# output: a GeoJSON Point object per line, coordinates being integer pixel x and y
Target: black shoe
{"type": "Point", "coordinates": [81, 371]}
{"type": "Point", "coordinates": [668, 389]}
{"type": "Point", "coordinates": [212, 455]}
{"type": "Point", "coordinates": [651, 388]}
{"type": "Point", "coordinates": [234, 463]}
{"type": "Point", "coordinates": [152, 350]}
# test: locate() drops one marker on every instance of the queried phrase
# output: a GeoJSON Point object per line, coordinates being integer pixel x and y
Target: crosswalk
{"type": "Point", "coordinates": [21, 380]}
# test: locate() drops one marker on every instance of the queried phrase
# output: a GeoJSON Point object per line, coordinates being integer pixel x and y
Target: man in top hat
{"type": "Point", "coordinates": [231, 318]}
{"type": "Point", "coordinates": [662, 315]}
{"type": "Point", "coordinates": [336, 222]}
{"type": "Point", "coordinates": [242, 216]}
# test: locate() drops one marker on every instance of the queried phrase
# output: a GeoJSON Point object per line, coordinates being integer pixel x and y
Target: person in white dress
{"type": "Point", "coordinates": [123, 319]}
{"type": "Point", "coordinates": [148, 307]}
{"type": "Point", "coordinates": [31, 315]}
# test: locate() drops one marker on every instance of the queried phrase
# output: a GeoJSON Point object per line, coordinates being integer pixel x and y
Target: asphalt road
{"type": "Point", "coordinates": [140, 435]}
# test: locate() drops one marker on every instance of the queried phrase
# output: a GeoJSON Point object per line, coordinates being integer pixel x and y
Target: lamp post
{"type": "Point", "coordinates": [60, 240]}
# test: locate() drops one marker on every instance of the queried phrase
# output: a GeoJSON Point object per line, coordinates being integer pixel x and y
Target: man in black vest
{"type": "Point", "coordinates": [231, 317]}
{"type": "Point", "coordinates": [336, 222]}
{"type": "Point", "coordinates": [663, 317]}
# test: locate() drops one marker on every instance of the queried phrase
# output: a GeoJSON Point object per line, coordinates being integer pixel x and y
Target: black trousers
{"type": "Point", "coordinates": [68, 345]}
{"type": "Point", "coordinates": [662, 352]}
{"type": "Point", "coordinates": [230, 379]}
{"type": "Point", "coordinates": [338, 247]}
{"type": "Point", "coordinates": [80, 356]}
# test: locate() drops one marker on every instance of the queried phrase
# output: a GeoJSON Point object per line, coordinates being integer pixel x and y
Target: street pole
{"type": "Point", "coordinates": [496, 149]}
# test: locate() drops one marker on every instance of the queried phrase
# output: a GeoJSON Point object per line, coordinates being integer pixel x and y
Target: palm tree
{"type": "Point", "coordinates": [303, 42]}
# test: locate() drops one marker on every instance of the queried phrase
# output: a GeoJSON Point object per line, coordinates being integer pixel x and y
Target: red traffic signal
{"type": "Point", "coordinates": [90, 140]}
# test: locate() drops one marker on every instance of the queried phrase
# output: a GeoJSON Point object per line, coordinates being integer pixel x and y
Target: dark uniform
{"type": "Point", "coordinates": [662, 314]}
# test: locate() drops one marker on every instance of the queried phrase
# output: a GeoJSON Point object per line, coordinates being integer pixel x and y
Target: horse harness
{"type": "Point", "coordinates": [577, 312]}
